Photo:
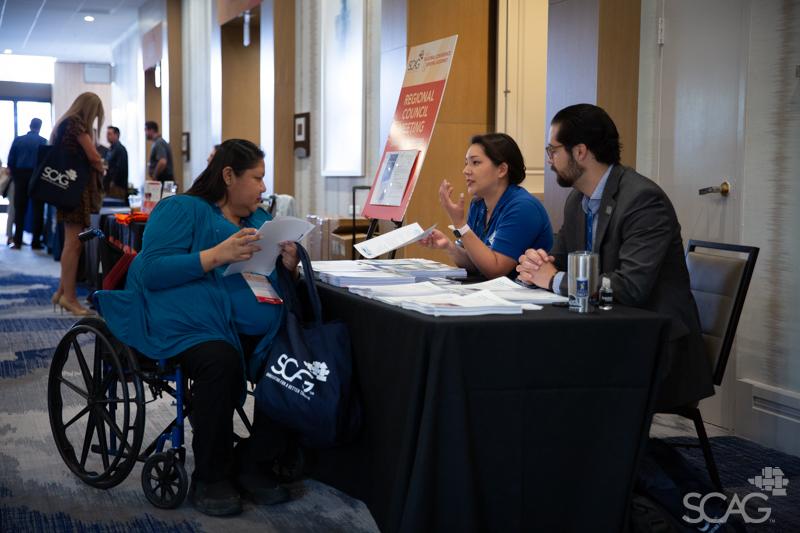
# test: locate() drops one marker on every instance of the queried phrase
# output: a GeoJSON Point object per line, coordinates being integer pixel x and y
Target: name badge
{"type": "Point", "coordinates": [262, 288]}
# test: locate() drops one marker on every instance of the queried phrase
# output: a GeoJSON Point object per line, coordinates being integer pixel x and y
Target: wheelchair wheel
{"type": "Point", "coordinates": [164, 480]}
{"type": "Point", "coordinates": [96, 403]}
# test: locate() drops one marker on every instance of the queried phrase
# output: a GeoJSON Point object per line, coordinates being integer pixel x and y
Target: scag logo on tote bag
{"type": "Point", "coordinates": [315, 370]}
{"type": "Point", "coordinates": [57, 178]}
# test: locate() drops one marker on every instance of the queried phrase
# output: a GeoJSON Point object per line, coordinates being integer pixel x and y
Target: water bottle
{"type": "Point", "coordinates": [606, 295]}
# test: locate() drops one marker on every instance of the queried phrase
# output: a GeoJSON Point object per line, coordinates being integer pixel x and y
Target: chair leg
{"type": "Point", "coordinates": [705, 445]}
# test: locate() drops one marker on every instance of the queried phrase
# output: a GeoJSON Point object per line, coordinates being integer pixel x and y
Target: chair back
{"type": "Point", "coordinates": [719, 284]}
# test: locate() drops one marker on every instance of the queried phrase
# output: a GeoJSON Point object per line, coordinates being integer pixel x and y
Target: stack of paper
{"type": "Point", "coordinates": [516, 292]}
{"type": "Point", "coordinates": [388, 291]}
{"type": "Point", "coordinates": [421, 269]}
{"type": "Point", "coordinates": [476, 303]}
{"type": "Point", "coordinates": [374, 277]}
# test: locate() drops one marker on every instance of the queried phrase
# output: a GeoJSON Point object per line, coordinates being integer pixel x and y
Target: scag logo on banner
{"type": "Point", "coordinates": [770, 481]}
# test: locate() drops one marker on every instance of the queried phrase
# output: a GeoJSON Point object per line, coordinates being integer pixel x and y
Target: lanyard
{"type": "Point", "coordinates": [589, 229]}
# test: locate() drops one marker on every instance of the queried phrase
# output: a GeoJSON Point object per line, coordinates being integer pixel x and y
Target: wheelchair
{"type": "Point", "coordinates": [96, 399]}
{"type": "Point", "coordinates": [96, 402]}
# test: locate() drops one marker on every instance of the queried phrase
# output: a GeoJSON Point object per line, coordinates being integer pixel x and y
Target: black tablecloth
{"type": "Point", "coordinates": [495, 423]}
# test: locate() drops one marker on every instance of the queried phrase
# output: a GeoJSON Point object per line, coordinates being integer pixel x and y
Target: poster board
{"type": "Point", "coordinates": [415, 116]}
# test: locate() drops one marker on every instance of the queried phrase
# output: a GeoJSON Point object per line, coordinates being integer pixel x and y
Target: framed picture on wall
{"type": "Point", "coordinates": [342, 121]}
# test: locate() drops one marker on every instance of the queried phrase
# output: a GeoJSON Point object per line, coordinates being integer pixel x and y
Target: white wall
{"type": "Point", "coordinates": [202, 85]}
{"type": "Point", "coordinates": [127, 101]}
{"type": "Point", "coordinates": [766, 399]}
{"type": "Point", "coordinates": [333, 195]}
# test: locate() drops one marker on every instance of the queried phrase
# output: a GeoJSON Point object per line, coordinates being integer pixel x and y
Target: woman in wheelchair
{"type": "Point", "coordinates": [177, 303]}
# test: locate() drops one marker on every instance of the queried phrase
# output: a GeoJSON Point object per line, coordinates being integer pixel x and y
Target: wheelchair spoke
{"type": "Point", "coordinates": [81, 392]}
{"type": "Point", "coordinates": [101, 436]}
{"type": "Point", "coordinates": [115, 428]}
{"type": "Point", "coordinates": [76, 417]}
{"type": "Point", "coordinates": [87, 376]}
{"type": "Point", "coordinates": [87, 439]}
{"type": "Point", "coordinates": [170, 491]}
{"type": "Point", "coordinates": [98, 365]}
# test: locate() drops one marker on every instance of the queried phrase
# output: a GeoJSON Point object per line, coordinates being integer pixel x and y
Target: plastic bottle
{"type": "Point", "coordinates": [606, 295]}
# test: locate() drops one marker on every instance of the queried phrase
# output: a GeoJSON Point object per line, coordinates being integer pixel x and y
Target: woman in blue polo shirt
{"type": "Point", "coordinates": [503, 220]}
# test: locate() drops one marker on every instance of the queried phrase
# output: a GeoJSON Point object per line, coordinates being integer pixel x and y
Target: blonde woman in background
{"type": "Point", "coordinates": [74, 131]}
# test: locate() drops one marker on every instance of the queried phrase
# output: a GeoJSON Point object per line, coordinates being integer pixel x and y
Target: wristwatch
{"type": "Point", "coordinates": [460, 232]}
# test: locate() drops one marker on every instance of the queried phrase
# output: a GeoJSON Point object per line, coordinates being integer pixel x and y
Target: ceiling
{"type": "Point", "coordinates": [56, 27]}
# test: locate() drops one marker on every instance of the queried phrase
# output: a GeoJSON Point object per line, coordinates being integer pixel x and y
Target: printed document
{"type": "Point", "coordinates": [272, 232]}
{"type": "Point", "coordinates": [393, 240]}
{"type": "Point", "coordinates": [393, 177]}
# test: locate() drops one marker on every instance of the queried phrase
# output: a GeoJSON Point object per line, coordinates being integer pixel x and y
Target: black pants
{"type": "Point", "coordinates": [21, 178]}
{"type": "Point", "coordinates": [215, 368]}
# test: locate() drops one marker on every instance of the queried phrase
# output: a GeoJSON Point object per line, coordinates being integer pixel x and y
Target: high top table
{"type": "Point", "coordinates": [529, 422]}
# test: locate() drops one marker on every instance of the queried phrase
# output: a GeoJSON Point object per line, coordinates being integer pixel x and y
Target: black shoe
{"type": "Point", "coordinates": [261, 489]}
{"type": "Point", "coordinates": [36, 246]}
{"type": "Point", "coordinates": [219, 498]}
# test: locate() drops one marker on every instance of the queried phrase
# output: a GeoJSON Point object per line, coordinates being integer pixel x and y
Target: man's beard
{"type": "Point", "coordinates": [570, 175]}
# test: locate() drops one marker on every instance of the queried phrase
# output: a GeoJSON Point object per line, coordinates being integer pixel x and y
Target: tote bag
{"type": "Point", "coordinates": [60, 176]}
{"type": "Point", "coordinates": [307, 382]}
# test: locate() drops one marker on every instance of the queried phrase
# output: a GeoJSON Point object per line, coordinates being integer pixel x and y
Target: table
{"type": "Point", "coordinates": [495, 423]}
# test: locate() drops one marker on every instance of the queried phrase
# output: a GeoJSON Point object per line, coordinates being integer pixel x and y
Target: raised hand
{"type": "Point", "coordinates": [455, 210]}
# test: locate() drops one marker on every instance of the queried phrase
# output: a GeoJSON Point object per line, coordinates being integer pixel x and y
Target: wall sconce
{"type": "Point", "coordinates": [246, 29]}
{"type": "Point", "coordinates": [157, 75]}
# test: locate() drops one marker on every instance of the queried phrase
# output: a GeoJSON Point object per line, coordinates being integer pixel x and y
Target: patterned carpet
{"type": "Point", "coordinates": [38, 492]}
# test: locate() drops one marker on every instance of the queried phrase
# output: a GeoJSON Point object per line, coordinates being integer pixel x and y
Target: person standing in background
{"type": "Point", "coordinates": [115, 181]}
{"type": "Point", "coordinates": [73, 133]}
{"type": "Point", "coordinates": [160, 164]}
{"type": "Point", "coordinates": [21, 162]}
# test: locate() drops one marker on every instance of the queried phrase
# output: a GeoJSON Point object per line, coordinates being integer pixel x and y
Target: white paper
{"type": "Point", "coordinates": [394, 174]}
{"type": "Point", "coordinates": [393, 240]}
{"type": "Point", "coordinates": [272, 232]}
{"type": "Point", "coordinates": [510, 290]}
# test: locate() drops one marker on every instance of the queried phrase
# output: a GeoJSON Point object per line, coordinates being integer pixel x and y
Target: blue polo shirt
{"type": "Point", "coordinates": [519, 221]}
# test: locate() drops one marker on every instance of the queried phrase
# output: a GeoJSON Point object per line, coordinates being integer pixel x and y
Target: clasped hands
{"type": "Point", "coordinates": [243, 244]}
{"type": "Point", "coordinates": [536, 268]}
{"type": "Point", "coordinates": [456, 213]}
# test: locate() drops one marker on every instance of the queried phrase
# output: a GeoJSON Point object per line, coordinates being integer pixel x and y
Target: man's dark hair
{"type": "Point", "coordinates": [151, 125]}
{"type": "Point", "coordinates": [114, 129]}
{"type": "Point", "coordinates": [239, 154]}
{"type": "Point", "coordinates": [501, 148]}
{"type": "Point", "coordinates": [36, 124]}
{"type": "Point", "coordinates": [590, 125]}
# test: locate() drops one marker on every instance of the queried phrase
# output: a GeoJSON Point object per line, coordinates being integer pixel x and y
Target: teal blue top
{"type": "Point", "coordinates": [169, 304]}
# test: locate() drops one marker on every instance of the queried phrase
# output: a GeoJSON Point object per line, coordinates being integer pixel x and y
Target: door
{"type": "Point", "coordinates": [692, 108]}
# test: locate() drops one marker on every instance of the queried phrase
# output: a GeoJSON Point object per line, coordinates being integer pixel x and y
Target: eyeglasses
{"type": "Point", "coordinates": [551, 149]}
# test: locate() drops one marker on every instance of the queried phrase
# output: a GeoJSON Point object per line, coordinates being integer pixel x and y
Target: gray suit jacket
{"type": "Point", "coordinates": [639, 241]}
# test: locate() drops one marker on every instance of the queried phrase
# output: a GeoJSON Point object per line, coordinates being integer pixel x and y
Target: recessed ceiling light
{"type": "Point", "coordinates": [88, 18]}
{"type": "Point", "coordinates": [8, 51]}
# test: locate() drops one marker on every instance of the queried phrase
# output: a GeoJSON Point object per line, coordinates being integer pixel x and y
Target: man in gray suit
{"type": "Point", "coordinates": [629, 221]}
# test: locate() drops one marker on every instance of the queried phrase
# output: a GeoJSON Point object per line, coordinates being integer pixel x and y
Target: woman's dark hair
{"type": "Point", "coordinates": [501, 148]}
{"type": "Point", "coordinates": [590, 125]}
{"type": "Point", "coordinates": [239, 154]}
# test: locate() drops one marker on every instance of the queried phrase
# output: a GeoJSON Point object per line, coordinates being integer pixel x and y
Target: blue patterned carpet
{"type": "Point", "coordinates": [39, 494]}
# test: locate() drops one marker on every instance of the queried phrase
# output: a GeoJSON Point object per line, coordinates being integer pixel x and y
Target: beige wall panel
{"type": "Point", "coordinates": [240, 82]}
{"type": "Point", "coordinates": [68, 84]}
{"type": "Point", "coordinates": [284, 96]}
{"type": "Point", "coordinates": [175, 87]}
{"type": "Point", "coordinates": [618, 69]}
{"type": "Point", "coordinates": [228, 10]}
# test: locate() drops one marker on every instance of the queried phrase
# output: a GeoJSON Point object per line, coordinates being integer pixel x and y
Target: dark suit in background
{"type": "Point", "coordinates": [21, 162]}
{"type": "Point", "coordinates": [115, 181]}
{"type": "Point", "coordinates": [638, 238]}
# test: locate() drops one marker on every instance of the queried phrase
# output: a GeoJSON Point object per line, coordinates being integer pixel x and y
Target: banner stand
{"type": "Point", "coordinates": [418, 105]}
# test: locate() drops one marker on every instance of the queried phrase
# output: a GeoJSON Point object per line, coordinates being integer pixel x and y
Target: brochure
{"type": "Point", "coordinates": [393, 240]}
{"type": "Point", "coordinates": [272, 232]}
